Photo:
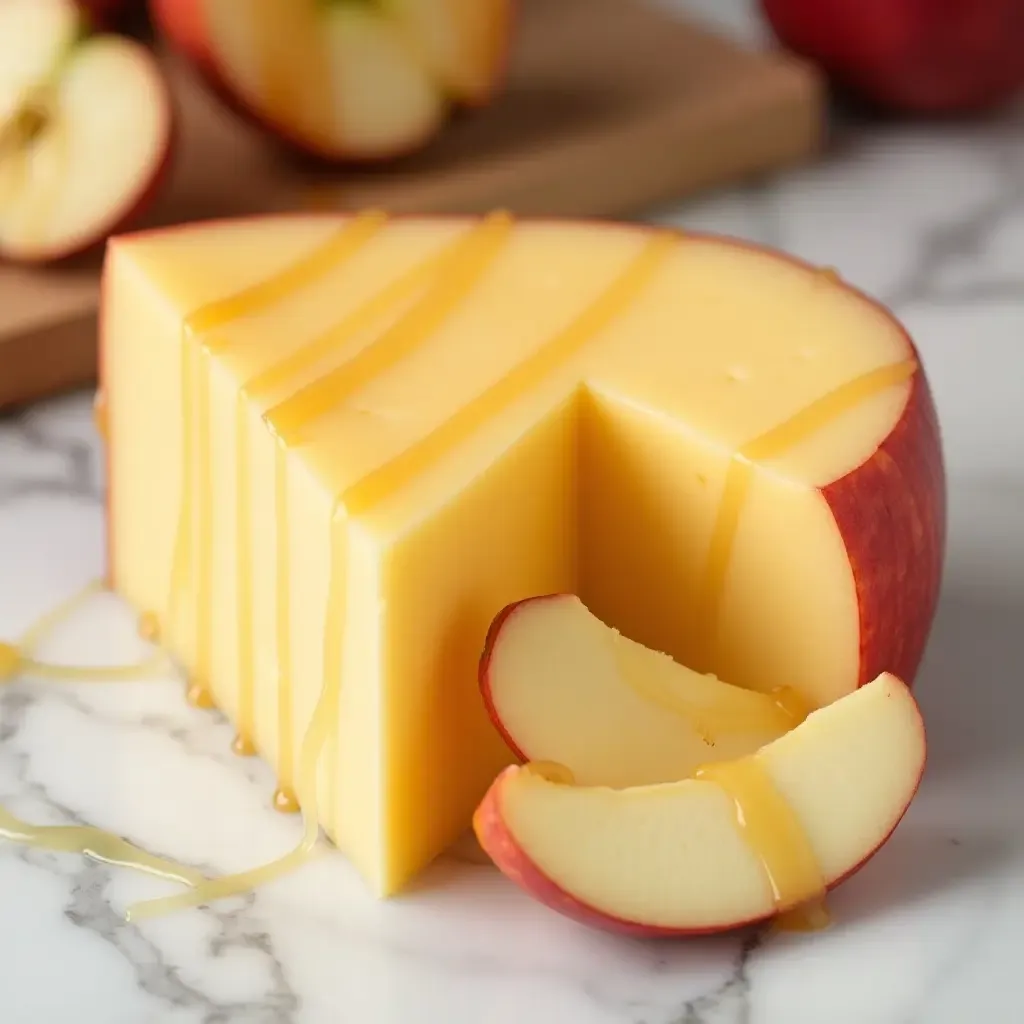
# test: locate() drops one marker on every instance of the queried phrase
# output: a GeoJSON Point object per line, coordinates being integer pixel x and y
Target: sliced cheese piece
{"type": "Point", "coordinates": [337, 447]}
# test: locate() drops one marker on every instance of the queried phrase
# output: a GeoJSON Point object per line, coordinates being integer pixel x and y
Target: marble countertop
{"type": "Point", "coordinates": [931, 220]}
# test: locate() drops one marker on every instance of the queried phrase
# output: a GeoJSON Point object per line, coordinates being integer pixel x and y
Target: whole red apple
{"type": "Point", "coordinates": [913, 56]}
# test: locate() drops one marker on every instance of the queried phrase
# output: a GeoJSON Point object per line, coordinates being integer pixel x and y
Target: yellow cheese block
{"type": "Point", "coordinates": [339, 446]}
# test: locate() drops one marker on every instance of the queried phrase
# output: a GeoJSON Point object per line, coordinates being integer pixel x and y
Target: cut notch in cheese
{"type": "Point", "coordinates": [569, 417]}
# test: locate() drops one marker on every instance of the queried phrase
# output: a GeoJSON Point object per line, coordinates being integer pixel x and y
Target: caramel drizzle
{"type": "Point", "coordinates": [770, 445]}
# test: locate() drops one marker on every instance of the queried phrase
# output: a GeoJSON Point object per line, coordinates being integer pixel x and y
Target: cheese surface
{"type": "Point", "coordinates": [339, 446]}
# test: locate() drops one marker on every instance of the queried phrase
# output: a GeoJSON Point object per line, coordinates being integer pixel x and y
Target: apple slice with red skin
{"type": "Point", "coordinates": [343, 81]}
{"type": "Point", "coordinates": [560, 685]}
{"type": "Point", "coordinates": [673, 859]}
{"type": "Point", "coordinates": [86, 131]}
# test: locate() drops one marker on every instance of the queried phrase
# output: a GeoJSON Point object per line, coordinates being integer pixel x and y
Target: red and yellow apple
{"type": "Point", "coordinates": [924, 56]}
{"type": "Point", "coordinates": [560, 685]}
{"type": "Point", "coordinates": [344, 81]}
{"type": "Point", "coordinates": [86, 130]}
{"type": "Point", "coordinates": [688, 857]}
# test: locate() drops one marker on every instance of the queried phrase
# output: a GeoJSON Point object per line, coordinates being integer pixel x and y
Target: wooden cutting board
{"type": "Point", "coordinates": [611, 108]}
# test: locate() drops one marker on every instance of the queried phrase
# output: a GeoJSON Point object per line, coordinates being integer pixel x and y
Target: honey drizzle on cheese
{"type": "Point", "coordinates": [770, 445]}
{"type": "Point", "coordinates": [284, 797]}
{"type": "Point", "coordinates": [609, 305]}
{"type": "Point", "coordinates": [288, 419]}
{"type": "Point", "coordinates": [467, 262]}
{"type": "Point", "coordinates": [462, 269]}
{"type": "Point", "coordinates": [193, 536]}
{"type": "Point", "coordinates": [772, 830]}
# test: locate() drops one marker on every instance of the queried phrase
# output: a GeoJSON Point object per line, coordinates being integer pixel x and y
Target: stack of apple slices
{"type": "Point", "coordinates": [657, 801]}
{"type": "Point", "coordinates": [85, 130]}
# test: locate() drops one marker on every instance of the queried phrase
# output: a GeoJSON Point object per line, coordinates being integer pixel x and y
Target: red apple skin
{"type": "Point", "coordinates": [182, 24]}
{"type": "Point", "coordinates": [913, 56]}
{"type": "Point", "coordinates": [493, 633]}
{"type": "Point", "coordinates": [136, 205]}
{"type": "Point", "coordinates": [513, 862]}
{"type": "Point", "coordinates": [897, 582]}
{"type": "Point", "coordinates": [897, 559]}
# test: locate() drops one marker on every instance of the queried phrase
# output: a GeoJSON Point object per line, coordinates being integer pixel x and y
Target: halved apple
{"type": "Point", "coordinates": [562, 686]}
{"type": "Point", "coordinates": [737, 845]}
{"type": "Point", "coordinates": [343, 81]}
{"type": "Point", "coordinates": [86, 129]}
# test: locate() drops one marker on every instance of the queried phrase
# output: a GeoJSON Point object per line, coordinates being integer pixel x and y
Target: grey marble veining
{"type": "Point", "coordinates": [931, 220]}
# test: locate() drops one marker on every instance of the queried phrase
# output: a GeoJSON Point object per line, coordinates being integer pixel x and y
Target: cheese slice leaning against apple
{"type": "Point", "coordinates": [737, 845]}
{"type": "Point", "coordinates": [560, 685]}
{"type": "Point", "coordinates": [86, 131]}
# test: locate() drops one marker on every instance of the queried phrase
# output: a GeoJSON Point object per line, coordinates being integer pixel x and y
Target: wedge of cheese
{"type": "Point", "coordinates": [338, 446]}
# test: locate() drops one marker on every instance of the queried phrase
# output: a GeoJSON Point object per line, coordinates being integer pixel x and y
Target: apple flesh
{"type": "Point", "coordinates": [86, 131]}
{"type": "Point", "coordinates": [917, 56]}
{"type": "Point", "coordinates": [673, 859]}
{"type": "Point", "coordinates": [560, 685]}
{"type": "Point", "coordinates": [343, 81]}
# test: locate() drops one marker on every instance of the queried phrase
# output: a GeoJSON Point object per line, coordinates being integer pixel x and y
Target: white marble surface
{"type": "Point", "coordinates": [929, 219]}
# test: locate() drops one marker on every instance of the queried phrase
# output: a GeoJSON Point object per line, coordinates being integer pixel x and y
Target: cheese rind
{"type": "Point", "coordinates": [570, 421]}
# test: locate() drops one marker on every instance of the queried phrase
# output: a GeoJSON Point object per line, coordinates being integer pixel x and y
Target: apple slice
{"type": "Point", "coordinates": [560, 685]}
{"type": "Point", "coordinates": [343, 81]}
{"type": "Point", "coordinates": [85, 131]}
{"type": "Point", "coordinates": [739, 844]}
{"type": "Point", "coordinates": [463, 41]}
